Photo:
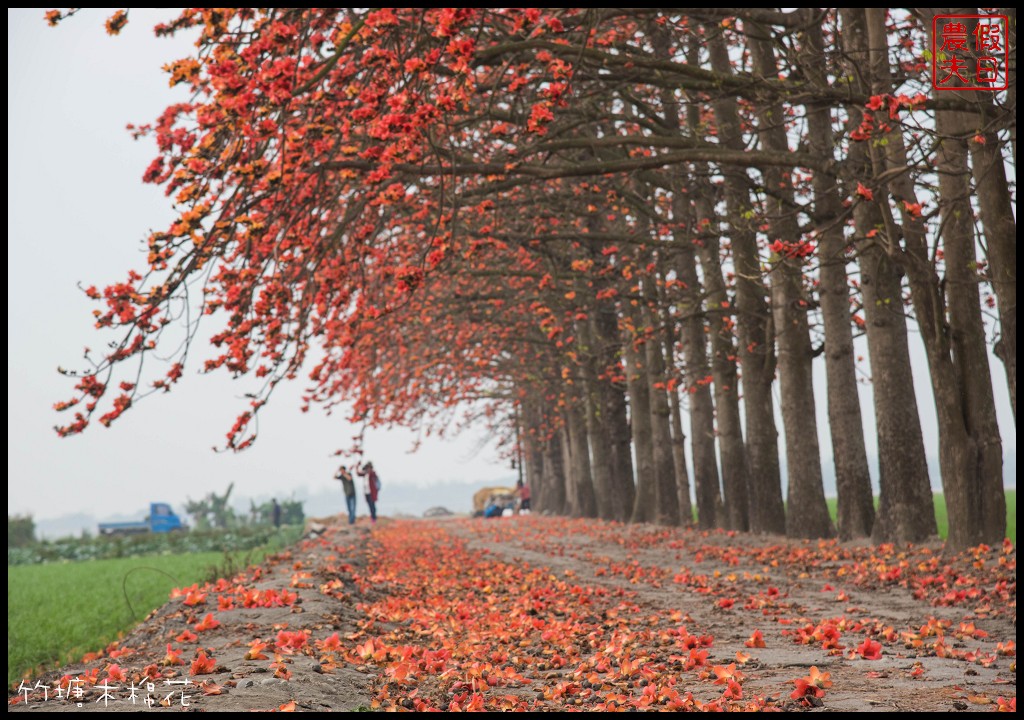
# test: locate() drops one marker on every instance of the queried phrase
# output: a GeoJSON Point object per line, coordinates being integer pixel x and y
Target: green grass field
{"type": "Point", "coordinates": [942, 520]}
{"type": "Point", "coordinates": [59, 611]}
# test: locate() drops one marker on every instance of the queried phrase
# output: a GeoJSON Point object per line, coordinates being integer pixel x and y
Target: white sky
{"type": "Point", "coordinates": [78, 212]}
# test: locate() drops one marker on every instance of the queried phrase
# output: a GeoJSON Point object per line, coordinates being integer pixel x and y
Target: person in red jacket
{"type": "Point", "coordinates": [371, 487]}
{"type": "Point", "coordinates": [524, 496]}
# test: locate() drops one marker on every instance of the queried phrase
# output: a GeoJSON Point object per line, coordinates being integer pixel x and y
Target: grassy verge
{"type": "Point", "coordinates": [942, 520]}
{"type": "Point", "coordinates": [56, 612]}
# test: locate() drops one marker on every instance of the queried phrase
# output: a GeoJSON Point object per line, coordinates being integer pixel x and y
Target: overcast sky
{"type": "Point", "coordinates": [78, 212]}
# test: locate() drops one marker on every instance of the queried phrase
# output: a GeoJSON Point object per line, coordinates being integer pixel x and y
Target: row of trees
{"type": "Point", "coordinates": [213, 511]}
{"type": "Point", "coordinates": [595, 221]}
{"type": "Point", "coordinates": [21, 531]}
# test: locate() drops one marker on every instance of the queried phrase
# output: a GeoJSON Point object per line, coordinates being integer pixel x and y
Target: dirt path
{"type": "Point", "coordinates": [783, 587]}
{"type": "Point", "coordinates": [549, 613]}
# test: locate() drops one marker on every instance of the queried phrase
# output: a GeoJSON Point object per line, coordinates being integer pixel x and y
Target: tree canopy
{"type": "Point", "coordinates": [583, 223]}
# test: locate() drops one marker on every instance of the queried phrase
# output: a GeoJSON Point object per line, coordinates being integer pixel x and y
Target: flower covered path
{"type": "Point", "coordinates": [550, 614]}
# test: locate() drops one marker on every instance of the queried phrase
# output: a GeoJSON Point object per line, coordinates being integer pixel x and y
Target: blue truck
{"type": "Point", "coordinates": [161, 519]}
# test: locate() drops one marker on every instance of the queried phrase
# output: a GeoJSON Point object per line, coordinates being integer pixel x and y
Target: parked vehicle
{"type": "Point", "coordinates": [161, 519]}
{"type": "Point", "coordinates": [491, 497]}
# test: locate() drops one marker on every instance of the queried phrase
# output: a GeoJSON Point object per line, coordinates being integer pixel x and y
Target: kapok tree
{"type": "Point", "coordinates": [345, 175]}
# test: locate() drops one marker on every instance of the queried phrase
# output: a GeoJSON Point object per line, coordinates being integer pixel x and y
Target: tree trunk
{"type": "Point", "coordinates": [597, 432]}
{"type": "Point", "coordinates": [552, 497]}
{"type": "Point", "coordinates": [645, 499]}
{"type": "Point", "coordinates": [723, 369]}
{"type": "Point", "coordinates": [982, 502]}
{"type": "Point", "coordinates": [616, 419]}
{"type": "Point", "coordinates": [675, 409]}
{"type": "Point", "coordinates": [1011, 91]}
{"type": "Point", "coordinates": [970, 449]}
{"type": "Point", "coordinates": [571, 504]}
{"type": "Point", "coordinates": [806, 511]}
{"type": "Point", "coordinates": [906, 509]}
{"type": "Point", "coordinates": [695, 355]}
{"type": "Point", "coordinates": [672, 486]}
{"type": "Point", "coordinates": [532, 454]}
{"type": "Point", "coordinates": [856, 509]}
{"type": "Point", "coordinates": [694, 341]}
{"type": "Point", "coordinates": [996, 206]}
{"type": "Point", "coordinates": [585, 503]}
{"type": "Point", "coordinates": [756, 354]}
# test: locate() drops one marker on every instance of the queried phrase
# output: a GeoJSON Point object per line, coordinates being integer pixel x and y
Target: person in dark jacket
{"type": "Point", "coordinates": [348, 485]}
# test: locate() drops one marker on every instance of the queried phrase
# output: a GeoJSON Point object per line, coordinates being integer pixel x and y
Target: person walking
{"type": "Point", "coordinates": [371, 487]}
{"type": "Point", "coordinates": [277, 514]}
{"type": "Point", "coordinates": [348, 485]}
